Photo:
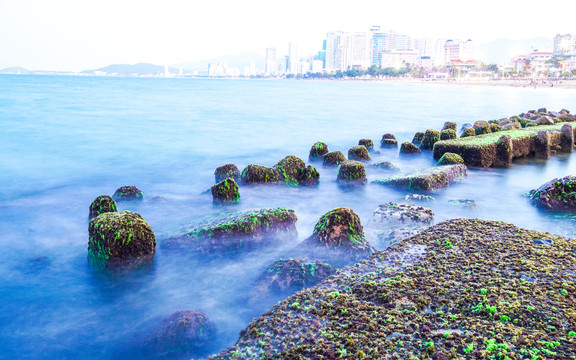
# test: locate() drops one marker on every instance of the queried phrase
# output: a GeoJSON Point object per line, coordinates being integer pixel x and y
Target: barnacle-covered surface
{"type": "Point", "coordinates": [463, 289]}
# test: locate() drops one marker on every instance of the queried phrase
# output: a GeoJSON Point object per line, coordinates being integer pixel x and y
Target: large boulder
{"type": "Point", "coordinates": [429, 139]}
{"type": "Point", "coordinates": [225, 192]}
{"type": "Point", "coordinates": [289, 168]}
{"type": "Point", "coordinates": [557, 194]}
{"type": "Point", "coordinates": [258, 174]}
{"type": "Point", "coordinates": [334, 158]}
{"type": "Point", "coordinates": [239, 231]}
{"type": "Point", "coordinates": [120, 239]}
{"type": "Point", "coordinates": [226, 171]}
{"type": "Point", "coordinates": [102, 204]}
{"type": "Point", "coordinates": [358, 153]}
{"type": "Point", "coordinates": [352, 173]}
{"type": "Point", "coordinates": [318, 150]}
{"type": "Point", "coordinates": [409, 148]}
{"type": "Point", "coordinates": [128, 193]}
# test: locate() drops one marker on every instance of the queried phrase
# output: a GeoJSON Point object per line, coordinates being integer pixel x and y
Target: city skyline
{"type": "Point", "coordinates": [74, 36]}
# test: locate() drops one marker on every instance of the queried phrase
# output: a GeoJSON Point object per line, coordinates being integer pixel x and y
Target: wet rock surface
{"type": "Point", "coordinates": [388, 140]}
{"type": "Point", "coordinates": [128, 193]}
{"type": "Point", "coordinates": [226, 171]}
{"type": "Point", "coordinates": [458, 289]}
{"type": "Point", "coordinates": [402, 215]}
{"type": "Point", "coordinates": [225, 192]}
{"type": "Point", "coordinates": [409, 148]}
{"type": "Point", "coordinates": [100, 205]}
{"type": "Point", "coordinates": [334, 158]}
{"type": "Point", "coordinates": [358, 153]}
{"type": "Point", "coordinates": [318, 150]}
{"type": "Point", "coordinates": [258, 174]}
{"type": "Point", "coordinates": [428, 179]}
{"type": "Point", "coordinates": [557, 194]}
{"type": "Point", "coordinates": [384, 165]}
{"type": "Point", "coordinates": [352, 173]}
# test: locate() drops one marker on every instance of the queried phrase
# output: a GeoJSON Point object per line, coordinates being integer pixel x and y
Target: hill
{"type": "Point", "coordinates": [502, 50]}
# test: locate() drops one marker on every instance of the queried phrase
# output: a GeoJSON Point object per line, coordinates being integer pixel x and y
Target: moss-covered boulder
{"type": "Point", "coordinates": [384, 165]}
{"type": "Point", "coordinates": [120, 239]}
{"type": "Point", "coordinates": [388, 140]}
{"type": "Point", "coordinates": [317, 151]}
{"type": "Point", "coordinates": [334, 158]}
{"type": "Point", "coordinates": [128, 193]}
{"type": "Point", "coordinates": [417, 139]}
{"type": "Point", "coordinates": [481, 127]}
{"type": "Point", "coordinates": [369, 144]}
{"type": "Point", "coordinates": [557, 194]}
{"type": "Point", "coordinates": [493, 128]}
{"type": "Point", "coordinates": [226, 171]}
{"type": "Point", "coordinates": [429, 139]}
{"type": "Point", "coordinates": [427, 179]}
{"type": "Point", "coordinates": [468, 132]}
{"type": "Point", "coordinates": [239, 231]}
{"type": "Point", "coordinates": [409, 148]}
{"type": "Point", "coordinates": [308, 176]}
{"type": "Point", "coordinates": [352, 173]}
{"type": "Point", "coordinates": [358, 153]}
{"type": "Point", "coordinates": [225, 192]}
{"type": "Point", "coordinates": [102, 204]}
{"type": "Point", "coordinates": [449, 125]}
{"type": "Point", "coordinates": [289, 168]}
{"type": "Point", "coordinates": [448, 134]}
{"type": "Point", "coordinates": [450, 159]}
{"type": "Point", "coordinates": [258, 174]}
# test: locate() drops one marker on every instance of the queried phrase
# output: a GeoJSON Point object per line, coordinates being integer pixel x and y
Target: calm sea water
{"type": "Point", "coordinates": [66, 140]}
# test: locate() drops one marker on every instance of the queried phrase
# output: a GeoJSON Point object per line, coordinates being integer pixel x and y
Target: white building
{"type": "Point", "coordinates": [270, 66]}
{"type": "Point", "coordinates": [399, 59]}
{"type": "Point", "coordinates": [455, 50]}
{"type": "Point", "coordinates": [293, 62]}
{"type": "Point", "coordinates": [348, 50]}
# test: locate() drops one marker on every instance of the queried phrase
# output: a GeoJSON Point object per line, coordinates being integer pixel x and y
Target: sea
{"type": "Point", "coordinates": [66, 140]}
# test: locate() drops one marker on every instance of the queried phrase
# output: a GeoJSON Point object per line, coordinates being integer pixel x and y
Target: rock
{"type": "Point", "coordinates": [448, 134]}
{"type": "Point", "coordinates": [239, 231]}
{"type": "Point", "coordinates": [318, 150]}
{"type": "Point", "coordinates": [419, 198]}
{"type": "Point", "coordinates": [384, 165]}
{"type": "Point", "coordinates": [450, 159]}
{"type": "Point", "coordinates": [120, 239]}
{"type": "Point", "coordinates": [409, 148]}
{"type": "Point", "coordinates": [465, 203]}
{"type": "Point", "coordinates": [417, 139]}
{"type": "Point", "coordinates": [564, 111]}
{"type": "Point", "coordinates": [334, 158]}
{"type": "Point", "coordinates": [495, 128]}
{"type": "Point", "coordinates": [225, 192]}
{"type": "Point", "coordinates": [465, 126]}
{"type": "Point", "coordinates": [340, 233]}
{"type": "Point", "coordinates": [512, 126]}
{"type": "Point", "coordinates": [352, 173]}
{"type": "Point", "coordinates": [401, 215]}
{"type": "Point", "coordinates": [557, 194]}
{"type": "Point", "coordinates": [427, 179]}
{"type": "Point", "coordinates": [130, 193]}
{"type": "Point", "coordinates": [181, 333]}
{"type": "Point", "coordinates": [511, 120]}
{"type": "Point", "coordinates": [542, 145]}
{"type": "Point", "coordinates": [289, 168]}
{"type": "Point", "coordinates": [542, 111]}
{"type": "Point", "coordinates": [526, 122]}
{"type": "Point", "coordinates": [544, 120]}
{"type": "Point", "coordinates": [481, 127]}
{"type": "Point", "coordinates": [567, 118]}
{"type": "Point", "coordinates": [388, 140]}
{"type": "Point", "coordinates": [226, 171]}
{"type": "Point", "coordinates": [367, 143]}
{"type": "Point", "coordinates": [308, 176]}
{"type": "Point", "coordinates": [449, 125]}
{"type": "Point", "coordinates": [468, 132]}
{"type": "Point", "coordinates": [359, 153]}
{"type": "Point", "coordinates": [504, 151]}
{"type": "Point", "coordinates": [567, 142]}
{"type": "Point", "coordinates": [102, 204]}
{"type": "Point", "coordinates": [258, 174]}
{"type": "Point", "coordinates": [390, 237]}
{"type": "Point", "coordinates": [429, 139]}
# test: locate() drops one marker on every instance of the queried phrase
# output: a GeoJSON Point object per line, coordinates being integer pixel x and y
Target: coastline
{"type": "Point", "coordinates": [517, 83]}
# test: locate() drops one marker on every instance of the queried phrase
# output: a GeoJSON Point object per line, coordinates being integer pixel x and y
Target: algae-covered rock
{"type": "Point", "coordinates": [334, 158]}
{"type": "Point", "coordinates": [318, 150]}
{"type": "Point", "coordinates": [120, 239]}
{"type": "Point", "coordinates": [449, 125]}
{"type": "Point", "coordinates": [352, 173]}
{"type": "Point", "coordinates": [289, 168]}
{"type": "Point", "coordinates": [427, 179]}
{"type": "Point", "coordinates": [450, 159]}
{"type": "Point", "coordinates": [258, 174]}
{"type": "Point", "coordinates": [429, 139]}
{"type": "Point", "coordinates": [417, 139]}
{"type": "Point", "coordinates": [448, 134]}
{"type": "Point", "coordinates": [468, 132]}
{"type": "Point", "coordinates": [308, 176]}
{"type": "Point", "coordinates": [102, 204]}
{"type": "Point", "coordinates": [388, 140]}
{"type": "Point", "coordinates": [384, 165]}
{"type": "Point", "coordinates": [557, 194]}
{"type": "Point", "coordinates": [130, 193]}
{"type": "Point", "coordinates": [471, 288]}
{"type": "Point", "coordinates": [481, 127]}
{"type": "Point", "coordinates": [409, 148]}
{"type": "Point", "coordinates": [493, 128]}
{"type": "Point", "coordinates": [237, 231]}
{"type": "Point", "coordinates": [367, 143]}
{"type": "Point", "coordinates": [358, 153]}
{"type": "Point", "coordinates": [226, 171]}
{"type": "Point", "coordinates": [226, 192]}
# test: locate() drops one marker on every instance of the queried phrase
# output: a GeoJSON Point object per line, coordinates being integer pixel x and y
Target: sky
{"type": "Point", "coordinates": [75, 35]}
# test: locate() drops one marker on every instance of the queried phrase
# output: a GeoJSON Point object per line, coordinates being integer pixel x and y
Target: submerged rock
{"type": "Point", "coordinates": [334, 158]}
{"type": "Point", "coordinates": [409, 148]}
{"type": "Point", "coordinates": [384, 165]}
{"type": "Point", "coordinates": [226, 192]}
{"type": "Point", "coordinates": [237, 231]}
{"type": "Point", "coordinates": [258, 174]}
{"type": "Point", "coordinates": [402, 215]}
{"type": "Point", "coordinates": [352, 173]}
{"type": "Point", "coordinates": [128, 193]}
{"type": "Point", "coordinates": [419, 198]}
{"type": "Point", "coordinates": [226, 171]}
{"type": "Point", "coordinates": [464, 203]}
{"type": "Point", "coordinates": [102, 204]}
{"type": "Point", "coordinates": [318, 150]}
{"type": "Point", "coordinates": [120, 239]}
{"type": "Point", "coordinates": [427, 179]}
{"type": "Point", "coordinates": [450, 159]}
{"type": "Point", "coordinates": [358, 153]}
{"type": "Point", "coordinates": [557, 194]}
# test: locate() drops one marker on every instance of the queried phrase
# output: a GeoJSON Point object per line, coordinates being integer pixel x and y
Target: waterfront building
{"type": "Point", "coordinates": [293, 62]}
{"type": "Point", "coordinates": [399, 59]}
{"type": "Point", "coordinates": [346, 50]}
{"type": "Point", "coordinates": [458, 50]}
{"type": "Point", "coordinates": [270, 64]}
{"type": "Point", "coordinates": [538, 60]}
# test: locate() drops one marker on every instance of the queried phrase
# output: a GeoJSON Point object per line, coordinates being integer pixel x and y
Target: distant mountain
{"type": "Point", "coordinates": [240, 61]}
{"type": "Point", "coordinates": [14, 70]}
{"type": "Point", "coordinates": [502, 50]}
{"type": "Point", "coordinates": [139, 69]}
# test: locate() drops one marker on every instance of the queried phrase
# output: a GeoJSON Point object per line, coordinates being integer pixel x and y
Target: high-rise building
{"type": "Point", "coordinates": [455, 50]}
{"type": "Point", "coordinates": [293, 63]}
{"type": "Point", "coordinates": [348, 50]}
{"type": "Point", "coordinates": [270, 65]}
{"type": "Point", "coordinates": [564, 44]}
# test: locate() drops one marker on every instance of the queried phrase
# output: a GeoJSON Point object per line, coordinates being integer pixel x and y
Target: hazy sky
{"type": "Point", "coordinates": [87, 34]}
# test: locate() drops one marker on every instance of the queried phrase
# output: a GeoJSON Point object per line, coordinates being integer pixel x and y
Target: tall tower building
{"type": "Point", "coordinates": [293, 64]}
{"type": "Point", "coordinates": [270, 66]}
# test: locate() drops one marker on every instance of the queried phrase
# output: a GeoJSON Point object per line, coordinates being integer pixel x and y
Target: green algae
{"type": "Point", "coordinates": [426, 179]}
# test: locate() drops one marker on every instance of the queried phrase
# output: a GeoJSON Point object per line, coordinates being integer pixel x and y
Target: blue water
{"type": "Point", "coordinates": [66, 140]}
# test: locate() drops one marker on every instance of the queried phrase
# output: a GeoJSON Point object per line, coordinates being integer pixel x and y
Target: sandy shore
{"type": "Point", "coordinates": [562, 84]}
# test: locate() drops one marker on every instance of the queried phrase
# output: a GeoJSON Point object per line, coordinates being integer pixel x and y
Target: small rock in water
{"type": "Point", "coordinates": [334, 158]}
{"type": "Point", "coordinates": [419, 197]}
{"type": "Point", "coordinates": [384, 165]}
{"type": "Point", "coordinates": [352, 173]}
{"type": "Point", "coordinates": [128, 193]}
{"type": "Point", "coordinates": [369, 144]}
{"type": "Point", "coordinates": [465, 203]}
{"type": "Point", "coordinates": [225, 171]}
{"type": "Point", "coordinates": [318, 150]}
{"type": "Point", "coordinates": [400, 215]}
{"type": "Point", "coordinates": [358, 153]}
{"type": "Point", "coordinates": [225, 192]}
{"type": "Point", "coordinates": [100, 205]}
